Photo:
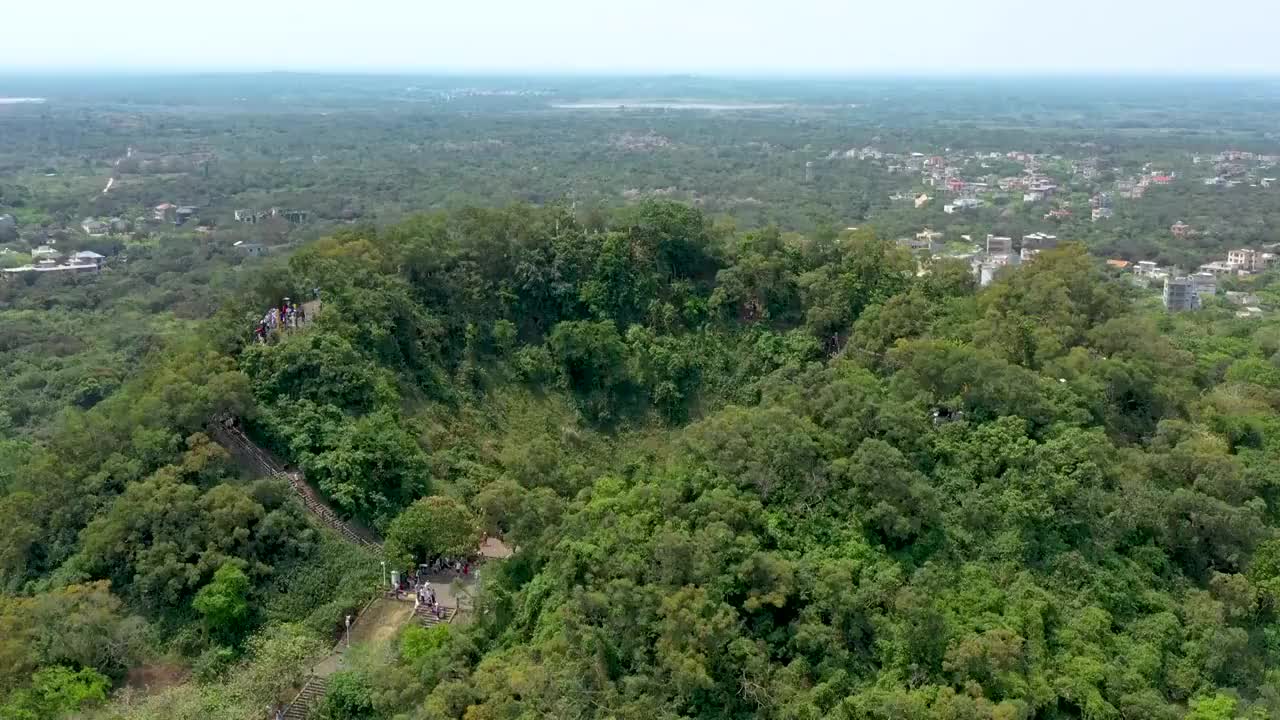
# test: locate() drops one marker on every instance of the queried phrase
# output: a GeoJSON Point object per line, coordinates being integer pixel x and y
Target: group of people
{"type": "Point", "coordinates": [289, 314]}
{"type": "Point", "coordinates": [444, 565]}
{"type": "Point", "coordinates": [426, 595]}
{"type": "Point", "coordinates": [417, 581]}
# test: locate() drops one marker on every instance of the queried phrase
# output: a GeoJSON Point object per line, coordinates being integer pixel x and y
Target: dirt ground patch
{"type": "Point", "coordinates": [381, 621]}
{"type": "Point", "coordinates": [154, 678]}
{"type": "Point", "coordinates": [377, 625]}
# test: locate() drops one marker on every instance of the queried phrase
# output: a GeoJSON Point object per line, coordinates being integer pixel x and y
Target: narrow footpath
{"type": "Point", "coordinates": [378, 621]}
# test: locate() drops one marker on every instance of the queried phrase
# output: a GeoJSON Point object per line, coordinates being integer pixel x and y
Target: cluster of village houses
{"type": "Point", "coordinates": [946, 174]}
{"type": "Point", "coordinates": [1234, 168]}
{"type": "Point", "coordinates": [963, 179]}
{"type": "Point", "coordinates": [1188, 291]}
{"type": "Point", "coordinates": [177, 215]}
{"type": "Point", "coordinates": [1182, 291]}
{"type": "Point", "coordinates": [46, 258]}
{"type": "Point", "coordinates": [997, 253]}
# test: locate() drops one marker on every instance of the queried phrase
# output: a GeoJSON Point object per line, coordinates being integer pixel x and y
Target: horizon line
{"type": "Point", "coordinates": [710, 73]}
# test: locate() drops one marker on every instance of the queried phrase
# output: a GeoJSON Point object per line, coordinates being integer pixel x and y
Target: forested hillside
{"type": "Point", "coordinates": [748, 474]}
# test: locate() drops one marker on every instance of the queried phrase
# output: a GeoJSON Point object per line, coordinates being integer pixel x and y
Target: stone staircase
{"type": "Point", "coordinates": [424, 617]}
{"type": "Point", "coordinates": [231, 437]}
{"type": "Point", "coordinates": [308, 698]}
{"type": "Point", "coordinates": [316, 507]}
{"type": "Point", "coordinates": [235, 441]}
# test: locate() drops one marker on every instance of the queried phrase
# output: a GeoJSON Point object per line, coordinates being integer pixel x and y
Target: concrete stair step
{"type": "Point", "coordinates": [426, 618]}
{"type": "Point", "coordinates": [308, 698]}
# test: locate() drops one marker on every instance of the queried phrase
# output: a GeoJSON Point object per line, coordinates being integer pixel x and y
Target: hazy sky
{"type": "Point", "coordinates": [1167, 36]}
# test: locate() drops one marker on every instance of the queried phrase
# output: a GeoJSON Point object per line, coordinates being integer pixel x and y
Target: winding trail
{"type": "Point", "coordinates": [378, 621]}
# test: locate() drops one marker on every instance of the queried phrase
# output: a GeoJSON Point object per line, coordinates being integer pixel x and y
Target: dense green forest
{"type": "Point", "coordinates": [748, 474]}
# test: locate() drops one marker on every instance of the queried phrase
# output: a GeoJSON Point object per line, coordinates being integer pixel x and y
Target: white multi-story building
{"type": "Point", "coordinates": [1249, 260]}
{"type": "Point", "coordinates": [1218, 267]}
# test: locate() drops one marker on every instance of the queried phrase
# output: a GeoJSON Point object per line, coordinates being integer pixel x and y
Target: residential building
{"type": "Point", "coordinates": [1181, 229]}
{"type": "Point", "coordinates": [931, 240]}
{"type": "Point", "coordinates": [999, 245]}
{"type": "Point", "coordinates": [1101, 213]}
{"type": "Point", "coordinates": [1217, 268]}
{"type": "Point", "coordinates": [94, 228]}
{"type": "Point", "coordinates": [1040, 241]}
{"type": "Point", "coordinates": [163, 212]}
{"type": "Point", "coordinates": [43, 251]}
{"type": "Point", "coordinates": [922, 200]}
{"type": "Point", "coordinates": [1249, 260]}
{"type": "Point", "coordinates": [184, 213]}
{"type": "Point", "coordinates": [1028, 254]}
{"type": "Point", "coordinates": [1180, 294]}
{"type": "Point", "coordinates": [1206, 285]}
{"type": "Point", "coordinates": [1146, 268]}
{"type": "Point", "coordinates": [1242, 258]}
{"type": "Point", "coordinates": [87, 257]}
{"type": "Point", "coordinates": [985, 268]}
{"type": "Point", "coordinates": [962, 204]}
{"type": "Point", "coordinates": [1118, 264]}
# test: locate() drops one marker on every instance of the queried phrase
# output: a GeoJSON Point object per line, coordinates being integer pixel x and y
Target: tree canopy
{"type": "Point", "coordinates": [747, 474]}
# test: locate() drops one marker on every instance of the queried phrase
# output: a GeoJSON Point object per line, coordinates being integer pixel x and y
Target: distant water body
{"type": "Point", "coordinates": [673, 105]}
{"type": "Point", "coordinates": [17, 100]}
